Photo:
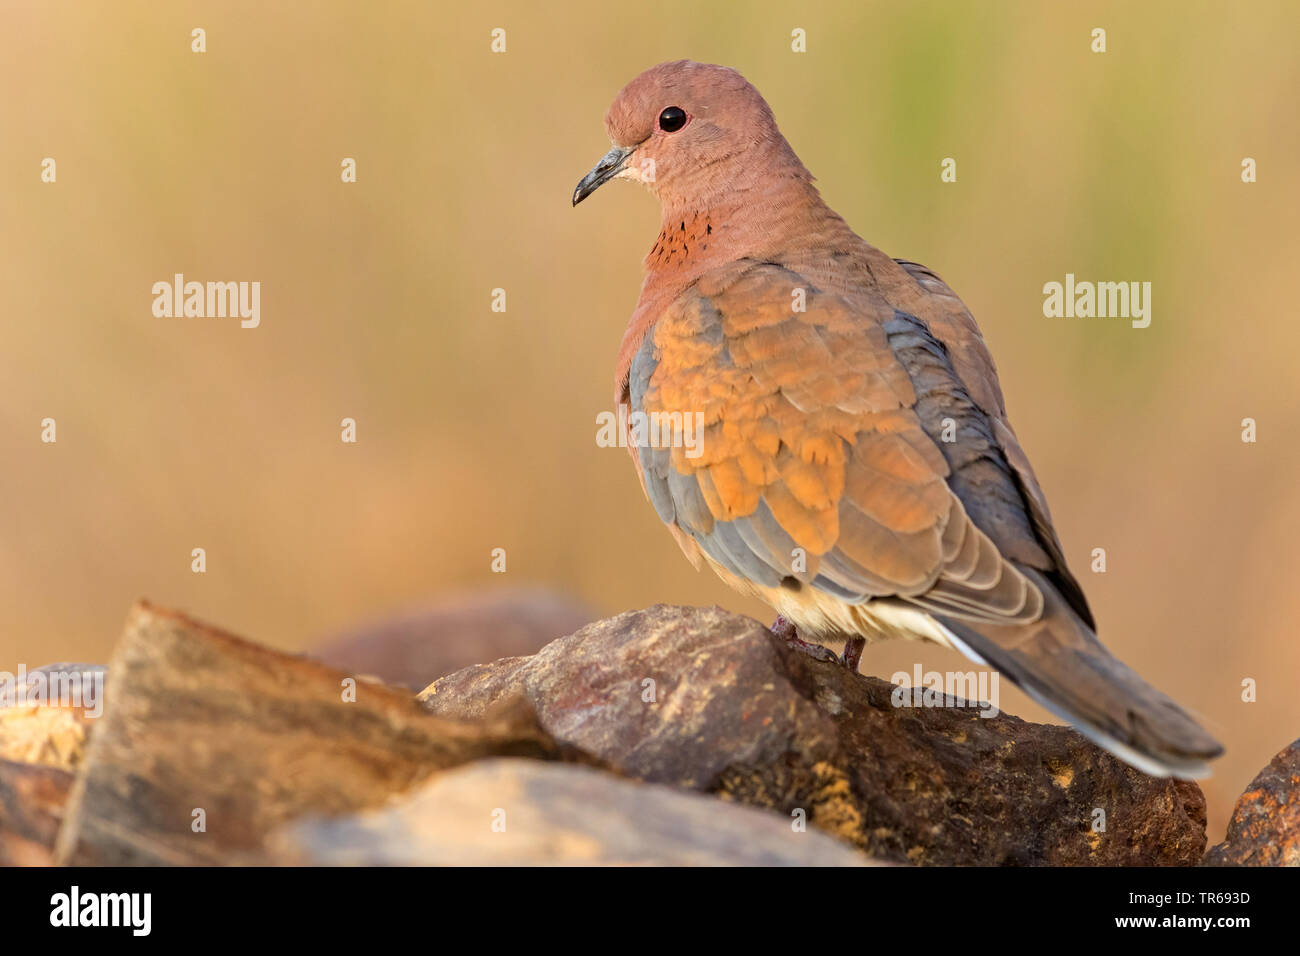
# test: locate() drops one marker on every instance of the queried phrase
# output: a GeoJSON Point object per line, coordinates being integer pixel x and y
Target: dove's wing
{"type": "Point", "coordinates": [843, 455]}
{"type": "Point", "coordinates": [953, 325]}
{"type": "Point", "coordinates": [836, 426]}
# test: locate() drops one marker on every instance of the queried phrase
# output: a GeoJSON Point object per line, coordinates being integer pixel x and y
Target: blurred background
{"type": "Point", "coordinates": [476, 429]}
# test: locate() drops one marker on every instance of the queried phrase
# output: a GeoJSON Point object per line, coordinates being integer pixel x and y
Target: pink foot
{"type": "Point", "coordinates": [790, 634]}
{"type": "Point", "coordinates": [853, 645]}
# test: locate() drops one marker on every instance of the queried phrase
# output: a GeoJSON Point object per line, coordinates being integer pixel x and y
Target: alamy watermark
{"type": "Point", "coordinates": [960, 689]}
{"type": "Point", "coordinates": [1102, 300]}
{"type": "Point", "coordinates": [651, 430]}
{"type": "Point", "coordinates": [81, 689]}
{"type": "Point", "coordinates": [133, 911]}
{"type": "Point", "coordinates": [198, 300]}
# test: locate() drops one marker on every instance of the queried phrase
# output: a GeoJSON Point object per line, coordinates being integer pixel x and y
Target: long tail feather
{"type": "Point", "coordinates": [1060, 663]}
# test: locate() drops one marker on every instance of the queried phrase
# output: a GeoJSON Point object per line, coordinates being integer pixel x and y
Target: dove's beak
{"type": "Point", "coordinates": [610, 165]}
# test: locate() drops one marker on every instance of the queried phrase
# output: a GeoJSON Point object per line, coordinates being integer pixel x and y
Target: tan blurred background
{"type": "Point", "coordinates": [477, 429]}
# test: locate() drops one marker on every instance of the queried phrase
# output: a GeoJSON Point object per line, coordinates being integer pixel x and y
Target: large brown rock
{"type": "Point", "coordinates": [417, 646]}
{"type": "Point", "coordinates": [530, 813]}
{"type": "Point", "coordinates": [713, 702]}
{"type": "Point", "coordinates": [203, 727]}
{"type": "Point", "coordinates": [1265, 825]}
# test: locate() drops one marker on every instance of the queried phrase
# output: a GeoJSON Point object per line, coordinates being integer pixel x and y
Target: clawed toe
{"type": "Point", "coordinates": [787, 631]}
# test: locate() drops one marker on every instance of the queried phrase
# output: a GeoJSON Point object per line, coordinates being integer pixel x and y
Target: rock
{"type": "Point", "coordinates": [209, 742]}
{"type": "Point", "coordinates": [32, 799]}
{"type": "Point", "coordinates": [713, 702]}
{"type": "Point", "coordinates": [555, 814]}
{"type": "Point", "coordinates": [414, 648]}
{"type": "Point", "coordinates": [1265, 825]}
{"type": "Point", "coordinates": [46, 713]}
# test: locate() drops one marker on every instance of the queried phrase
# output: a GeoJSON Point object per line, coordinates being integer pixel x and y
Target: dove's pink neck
{"type": "Point", "coordinates": [778, 218]}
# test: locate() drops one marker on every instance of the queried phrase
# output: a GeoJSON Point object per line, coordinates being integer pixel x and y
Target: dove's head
{"type": "Point", "coordinates": [691, 132]}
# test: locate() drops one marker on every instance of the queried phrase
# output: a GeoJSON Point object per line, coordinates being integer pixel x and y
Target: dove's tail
{"type": "Point", "coordinates": [1058, 661]}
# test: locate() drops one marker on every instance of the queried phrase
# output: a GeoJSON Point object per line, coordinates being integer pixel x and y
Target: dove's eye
{"type": "Point", "coordinates": [672, 119]}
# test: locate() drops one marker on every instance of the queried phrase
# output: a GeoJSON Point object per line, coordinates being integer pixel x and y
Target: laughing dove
{"type": "Point", "coordinates": [856, 469]}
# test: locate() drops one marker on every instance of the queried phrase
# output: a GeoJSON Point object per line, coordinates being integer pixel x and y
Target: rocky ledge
{"type": "Point", "coordinates": [665, 736]}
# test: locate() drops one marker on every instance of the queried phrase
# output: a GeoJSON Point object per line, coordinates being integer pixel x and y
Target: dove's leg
{"type": "Point", "coordinates": [853, 645]}
{"type": "Point", "coordinates": [784, 629]}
